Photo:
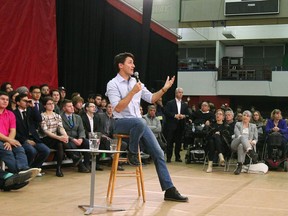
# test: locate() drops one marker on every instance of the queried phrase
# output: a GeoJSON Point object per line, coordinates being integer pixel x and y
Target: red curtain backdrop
{"type": "Point", "coordinates": [28, 50]}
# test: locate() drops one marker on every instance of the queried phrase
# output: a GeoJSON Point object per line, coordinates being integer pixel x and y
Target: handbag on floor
{"type": "Point", "coordinates": [259, 168]}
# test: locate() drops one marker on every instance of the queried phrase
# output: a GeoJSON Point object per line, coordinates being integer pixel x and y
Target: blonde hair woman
{"type": "Point", "coordinates": [276, 124]}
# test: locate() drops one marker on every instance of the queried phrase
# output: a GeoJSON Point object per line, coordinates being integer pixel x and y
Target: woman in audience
{"type": "Point", "coordinates": [277, 125]}
{"type": "Point", "coordinates": [260, 123]}
{"type": "Point", "coordinates": [12, 102]}
{"type": "Point", "coordinates": [246, 137]}
{"type": "Point", "coordinates": [230, 123]}
{"type": "Point", "coordinates": [6, 87]}
{"type": "Point", "coordinates": [53, 132]}
{"type": "Point", "coordinates": [103, 104]}
{"type": "Point", "coordinates": [215, 139]}
{"type": "Point", "coordinates": [239, 117]}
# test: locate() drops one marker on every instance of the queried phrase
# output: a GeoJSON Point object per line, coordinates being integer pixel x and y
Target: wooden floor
{"type": "Point", "coordinates": [217, 193]}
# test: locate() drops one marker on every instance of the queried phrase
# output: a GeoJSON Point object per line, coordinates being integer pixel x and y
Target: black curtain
{"type": "Point", "coordinates": [90, 33]}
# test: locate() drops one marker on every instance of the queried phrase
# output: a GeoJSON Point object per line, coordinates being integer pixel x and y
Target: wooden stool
{"type": "Point", "coordinates": [138, 172]}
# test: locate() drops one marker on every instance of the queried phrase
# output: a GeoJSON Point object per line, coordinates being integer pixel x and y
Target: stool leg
{"type": "Point", "coordinates": [141, 177]}
{"type": "Point", "coordinates": [111, 179]}
{"type": "Point", "coordinates": [113, 173]}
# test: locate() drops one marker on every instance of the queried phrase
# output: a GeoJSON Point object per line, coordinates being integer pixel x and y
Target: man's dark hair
{"type": "Point", "coordinates": [46, 99]}
{"type": "Point", "coordinates": [3, 93]}
{"type": "Point", "coordinates": [120, 58]}
{"type": "Point", "coordinates": [43, 85]}
{"type": "Point", "coordinates": [20, 97]}
{"type": "Point", "coordinates": [98, 95]}
{"type": "Point", "coordinates": [54, 90]}
{"type": "Point", "coordinates": [65, 101]}
{"type": "Point", "coordinates": [33, 87]}
{"type": "Point", "coordinates": [91, 95]}
{"type": "Point", "coordinates": [87, 105]}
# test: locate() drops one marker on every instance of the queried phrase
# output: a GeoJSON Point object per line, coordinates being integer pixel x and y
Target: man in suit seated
{"type": "Point", "coordinates": [73, 126]}
{"type": "Point", "coordinates": [175, 111]}
{"type": "Point", "coordinates": [91, 124]}
{"type": "Point", "coordinates": [154, 124]}
{"type": "Point", "coordinates": [27, 116]}
{"type": "Point", "coordinates": [106, 122]}
{"type": "Point", "coordinates": [35, 96]}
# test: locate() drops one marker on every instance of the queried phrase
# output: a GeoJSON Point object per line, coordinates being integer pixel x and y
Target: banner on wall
{"type": "Point", "coordinates": [28, 46]}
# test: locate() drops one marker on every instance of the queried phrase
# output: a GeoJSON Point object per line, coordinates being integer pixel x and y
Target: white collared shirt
{"type": "Point", "coordinates": [178, 103]}
{"type": "Point", "coordinates": [118, 88]}
{"type": "Point", "coordinates": [91, 122]}
{"type": "Point", "coordinates": [21, 111]}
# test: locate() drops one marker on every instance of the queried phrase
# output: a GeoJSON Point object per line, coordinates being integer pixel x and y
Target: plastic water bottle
{"type": "Point", "coordinates": [193, 127]}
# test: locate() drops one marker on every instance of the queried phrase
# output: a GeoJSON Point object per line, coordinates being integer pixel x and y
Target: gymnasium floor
{"type": "Point", "coordinates": [218, 193]}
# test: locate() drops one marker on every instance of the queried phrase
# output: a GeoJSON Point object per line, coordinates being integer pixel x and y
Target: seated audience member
{"type": "Point", "coordinates": [212, 107]}
{"type": "Point", "coordinates": [27, 116]}
{"type": "Point", "coordinates": [260, 123]}
{"type": "Point", "coordinates": [91, 124]}
{"type": "Point", "coordinates": [53, 132]}
{"type": "Point", "coordinates": [277, 125]}
{"type": "Point", "coordinates": [35, 94]}
{"type": "Point", "coordinates": [252, 109]}
{"type": "Point", "coordinates": [91, 98]}
{"type": "Point", "coordinates": [215, 140]}
{"type": "Point", "coordinates": [75, 94]}
{"type": "Point", "coordinates": [238, 110]}
{"type": "Point", "coordinates": [12, 104]}
{"type": "Point", "coordinates": [6, 87]}
{"type": "Point", "coordinates": [98, 99]}
{"type": "Point", "coordinates": [160, 110]}
{"type": "Point", "coordinates": [11, 151]}
{"type": "Point", "coordinates": [45, 91]}
{"type": "Point", "coordinates": [154, 124]}
{"type": "Point", "coordinates": [230, 123]}
{"type": "Point", "coordinates": [23, 90]}
{"type": "Point", "coordinates": [105, 122]}
{"type": "Point", "coordinates": [73, 126]}
{"type": "Point", "coordinates": [62, 91]}
{"type": "Point", "coordinates": [10, 181]}
{"type": "Point", "coordinates": [203, 115]}
{"type": "Point", "coordinates": [141, 110]}
{"type": "Point", "coordinates": [77, 102]}
{"type": "Point", "coordinates": [55, 94]}
{"type": "Point", "coordinates": [246, 137]}
{"type": "Point", "coordinates": [239, 117]}
{"type": "Point", "coordinates": [103, 104]}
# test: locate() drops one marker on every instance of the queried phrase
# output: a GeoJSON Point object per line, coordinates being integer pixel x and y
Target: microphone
{"type": "Point", "coordinates": [136, 75]}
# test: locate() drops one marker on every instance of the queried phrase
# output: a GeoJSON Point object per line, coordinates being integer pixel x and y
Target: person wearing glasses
{"type": "Point", "coordinates": [27, 116]}
{"type": "Point", "coordinates": [52, 132]}
{"type": "Point", "coordinates": [35, 94]}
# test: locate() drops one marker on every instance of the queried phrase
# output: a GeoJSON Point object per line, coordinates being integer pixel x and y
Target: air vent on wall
{"type": "Point", "coordinates": [228, 33]}
{"type": "Point", "coordinates": [250, 7]}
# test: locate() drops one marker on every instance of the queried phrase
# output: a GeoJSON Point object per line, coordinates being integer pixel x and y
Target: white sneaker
{"type": "Point", "coordinates": [39, 174]}
{"type": "Point", "coordinates": [34, 172]}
